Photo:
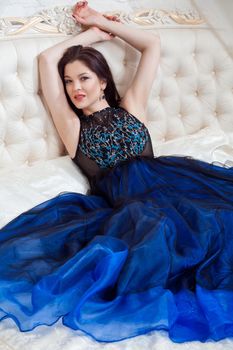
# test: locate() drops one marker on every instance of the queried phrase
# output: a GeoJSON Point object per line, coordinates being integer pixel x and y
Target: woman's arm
{"type": "Point", "coordinates": [148, 43]}
{"type": "Point", "coordinates": [65, 120]}
{"type": "Point", "coordinates": [137, 94]}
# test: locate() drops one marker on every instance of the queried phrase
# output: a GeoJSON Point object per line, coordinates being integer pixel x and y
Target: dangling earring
{"type": "Point", "coordinates": [102, 96]}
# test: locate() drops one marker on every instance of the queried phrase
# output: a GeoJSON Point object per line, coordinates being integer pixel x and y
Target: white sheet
{"type": "Point", "coordinates": [59, 337]}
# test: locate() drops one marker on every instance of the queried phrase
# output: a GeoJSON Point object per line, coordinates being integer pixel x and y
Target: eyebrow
{"type": "Point", "coordinates": [67, 76]}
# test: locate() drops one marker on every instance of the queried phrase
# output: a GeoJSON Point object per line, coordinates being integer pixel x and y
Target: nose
{"type": "Point", "coordinates": [77, 86]}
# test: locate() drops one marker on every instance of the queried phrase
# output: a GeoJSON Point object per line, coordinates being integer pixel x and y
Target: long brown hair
{"type": "Point", "coordinates": [97, 63]}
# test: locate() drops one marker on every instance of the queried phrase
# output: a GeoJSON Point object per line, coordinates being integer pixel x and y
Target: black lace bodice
{"type": "Point", "coordinates": [108, 137]}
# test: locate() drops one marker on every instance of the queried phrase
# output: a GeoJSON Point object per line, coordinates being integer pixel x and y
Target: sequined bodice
{"type": "Point", "coordinates": [108, 137]}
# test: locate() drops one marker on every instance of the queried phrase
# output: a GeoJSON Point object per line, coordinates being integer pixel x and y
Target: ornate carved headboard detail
{"type": "Point", "coordinates": [58, 20]}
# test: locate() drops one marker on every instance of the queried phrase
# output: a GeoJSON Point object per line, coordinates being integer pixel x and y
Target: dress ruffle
{"type": "Point", "coordinates": [150, 248]}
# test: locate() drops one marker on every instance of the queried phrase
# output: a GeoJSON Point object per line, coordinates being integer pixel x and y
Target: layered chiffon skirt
{"type": "Point", "coordinates": [149, 248]}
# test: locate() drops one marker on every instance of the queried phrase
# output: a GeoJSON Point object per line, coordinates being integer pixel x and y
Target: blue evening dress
{"type": "Point", "coordinates": [149, 247]}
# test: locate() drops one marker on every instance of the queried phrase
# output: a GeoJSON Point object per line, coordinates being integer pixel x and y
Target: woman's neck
{"type": "Point", "coordinates": [98, 107]}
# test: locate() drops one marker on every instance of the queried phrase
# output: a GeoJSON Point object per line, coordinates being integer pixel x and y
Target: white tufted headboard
{"type": "Point", "coordinates": [193, 89]}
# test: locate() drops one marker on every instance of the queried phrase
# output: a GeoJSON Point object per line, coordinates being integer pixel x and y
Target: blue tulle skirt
{"type": "Point", "coordinates": [150, 248]}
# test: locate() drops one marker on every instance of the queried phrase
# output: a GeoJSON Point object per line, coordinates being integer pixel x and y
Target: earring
{"type": "Point", "coordinates": [102, 96]}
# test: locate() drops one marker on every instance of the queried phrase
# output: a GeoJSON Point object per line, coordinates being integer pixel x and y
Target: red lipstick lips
{"type": "Point", "coordinates": [79, 97]}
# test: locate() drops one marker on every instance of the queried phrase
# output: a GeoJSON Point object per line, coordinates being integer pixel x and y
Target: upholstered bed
{"type": "Point", "coordinates": [190, 113]}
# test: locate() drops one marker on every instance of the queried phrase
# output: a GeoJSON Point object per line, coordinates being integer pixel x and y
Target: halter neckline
{"type": "Point", "coordinates": [96, 112]}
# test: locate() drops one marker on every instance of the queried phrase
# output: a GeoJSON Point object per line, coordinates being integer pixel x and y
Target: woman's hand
{"type": "Point", "coordinates": [85, 15]}
{"type": "Point", "coordinates": [88, 17]}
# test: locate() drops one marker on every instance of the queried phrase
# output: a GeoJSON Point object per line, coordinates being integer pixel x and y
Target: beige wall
{"type": "Point", "coordinates": [219, 15]}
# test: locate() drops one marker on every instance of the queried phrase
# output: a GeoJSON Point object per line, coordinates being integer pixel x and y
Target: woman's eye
{"type": "Point", "coordinates": [84, 78]}
{"type": "Point", "coordinates": [67, 81]}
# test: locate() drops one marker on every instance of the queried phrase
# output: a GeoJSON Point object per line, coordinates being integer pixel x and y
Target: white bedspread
{"type": "Point", "coordinates": [59, 337]}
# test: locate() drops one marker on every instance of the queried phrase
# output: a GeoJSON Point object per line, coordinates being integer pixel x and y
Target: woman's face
{"type": "Point", "coordinates": [83, 86]}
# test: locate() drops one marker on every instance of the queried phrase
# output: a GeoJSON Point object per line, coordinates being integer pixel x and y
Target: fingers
{"type": "Point", "coordinates": [79, 6]}
{"type": "Point", "coordinates": [112, 18]}
{"type": "Point", "coordinates": [79, 19]}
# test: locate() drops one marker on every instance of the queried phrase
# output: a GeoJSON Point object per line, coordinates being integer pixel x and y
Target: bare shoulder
{"type": "Point", "coordinates": [67, 124]}
{"type": "Point", "coordinates": [64, 118]}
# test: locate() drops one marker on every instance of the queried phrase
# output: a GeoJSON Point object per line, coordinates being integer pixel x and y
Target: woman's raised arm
{"type": "Point", "coordinates": [65, 120]}
{"type": "Point", "coordinates": [148, 43]}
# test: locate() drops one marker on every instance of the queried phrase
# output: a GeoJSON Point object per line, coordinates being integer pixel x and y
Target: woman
{"type": "Point", "coordinates": [151, 246]}
{"type": "Point", "coordinates": [95, 90]}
